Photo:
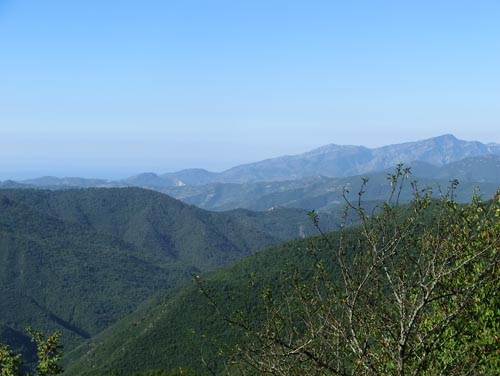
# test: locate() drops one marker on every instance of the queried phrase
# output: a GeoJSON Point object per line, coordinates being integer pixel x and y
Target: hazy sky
{"type": "Point", "coordinates": [109, 88]}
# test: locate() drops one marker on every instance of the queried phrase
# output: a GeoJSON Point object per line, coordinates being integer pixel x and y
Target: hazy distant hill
{"type": "Point", "coordinates": [323, 193]}
{"type": "Point", "coordinates": [151, 180]}
{"type": "Point", "coordinates": [9, 184]}
{"type": "Point", "coordinates": [68, 182]}
{"type": "Point", "coordinates": [483, 169]}
{"type": "Point", "coordinates": [192, 176]}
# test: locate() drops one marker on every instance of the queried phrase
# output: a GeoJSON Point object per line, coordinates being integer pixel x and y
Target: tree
{"type": "Point", "coordinates": [10, 363]}
{"type": "Point", "coordinates": [413, 290]}
{"type": "Point", "coordinates": [48, 352]}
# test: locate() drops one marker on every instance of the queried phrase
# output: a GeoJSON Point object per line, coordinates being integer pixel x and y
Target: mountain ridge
{"type": "Point", "coordinates": [330, 160]}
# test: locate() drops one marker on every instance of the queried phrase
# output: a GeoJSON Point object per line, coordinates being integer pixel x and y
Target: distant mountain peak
{"type": "Point", "coordinates": [447, 136]}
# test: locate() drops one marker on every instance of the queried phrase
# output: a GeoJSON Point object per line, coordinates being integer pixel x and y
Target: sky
{"type": "Point", "coordinates": [110, 88]}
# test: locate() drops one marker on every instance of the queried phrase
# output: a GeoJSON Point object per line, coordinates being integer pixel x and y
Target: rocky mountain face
{"type": "Point", "coordinates": [342, 161]}
{"type": "Point", "coordinates": [437, 151]}
{"type": "Point", "coordinates": [336, 161]}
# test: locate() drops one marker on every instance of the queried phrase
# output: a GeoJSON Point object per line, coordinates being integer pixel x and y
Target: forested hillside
{"type": "Point", "coordinates": [107, 267]}
{"type": "Point", "coordinates": [78, 260]}
{"type": "Point", "coordinates": [168, 333]}
{"type": "Point", "coordinates": [423, 276]}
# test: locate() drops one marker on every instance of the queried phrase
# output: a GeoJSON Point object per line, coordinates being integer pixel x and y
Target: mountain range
{"type": "Point", "coordinates": [329, 161]}
{"type": "Point", "coordinates": [342, 161]}
{"type": "Point", "coordinates": [316, 179]}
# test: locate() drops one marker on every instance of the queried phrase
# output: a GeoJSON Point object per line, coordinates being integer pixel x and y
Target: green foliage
{"type": "Point", "coordinates": [414, 291]}
{"type": "Point", "coordinates": [182, 329]}
{"type": "Point", "coordinates": [471, 341]}
{"type": "Point", "coordinates": [48, 353]}
{"type": "Point", "coordinates": [174, 372]}
{"type": "Point", "coordinates": [10, 363]}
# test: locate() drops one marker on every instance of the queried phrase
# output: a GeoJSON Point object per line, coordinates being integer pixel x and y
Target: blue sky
{"type": "Point", "coordinates": [111, 88]}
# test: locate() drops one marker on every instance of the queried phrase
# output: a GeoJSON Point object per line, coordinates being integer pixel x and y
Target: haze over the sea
{"type": "Point", "coordinates": [111, 88]}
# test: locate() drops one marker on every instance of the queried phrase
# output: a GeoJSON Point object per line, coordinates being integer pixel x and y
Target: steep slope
{"type": "Point", "coordinates": [56, 275]}
{"type": "Point", "coordinates": [331, 160]}
{"type": "Point", "coordinates": [437, 151]}
{"type": "Point", "coordinates": [168, 333]}
{"type": "Point", "coordinates": [78, 260]}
